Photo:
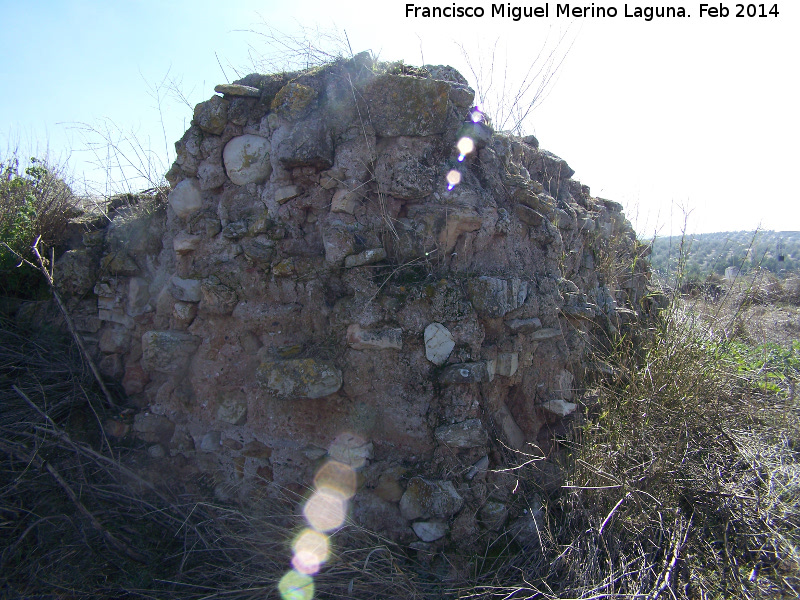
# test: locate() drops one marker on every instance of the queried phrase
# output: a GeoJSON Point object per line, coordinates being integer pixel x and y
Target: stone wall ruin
{"type": "Point", "coordinates": [316, 289]}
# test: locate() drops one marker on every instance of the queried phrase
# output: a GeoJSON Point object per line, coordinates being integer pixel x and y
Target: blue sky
{"type": "Point", "coordinates": [696, 112]}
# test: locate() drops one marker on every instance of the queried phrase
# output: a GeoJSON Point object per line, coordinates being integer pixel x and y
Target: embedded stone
{"type": "Point", "coordinates": [286, 193]}
{"type": "Point", "coordinates": [363, 339]}
{"type": "Point", "coordinates": [508, 426]}
{"type": "Point", "coordinates": [299, 378]}
{"type": "Point", "coordinates": [167, 351]}
{"type": "Point", "coordinates": [114, 339]}
{"type": "Point", "coordinates": [528, 216]}
{"type": "Point", "coordinates": [119, 263]}
{"type": "Point", "coordinates": [524, 325]}
{"type": "Point", "coordinates": [187, 290]}
{"type": "Point", "coordinates": [467, 434]}
{"type": "Point", "coordinates": [410, 106]}
{"type": "Point", "coordinates": [184, 243]}
{"type": "Point", "coordinates": [246, 159]}
{"type": "Point", "coordinates": [212, 115]}
{"type": "Point", "coordinates": [493, 515]}
{"type": "Point", "coordinates": [235, 231]}
{"type": "Point", "coordinates": [563, 385]}
{"type": "Point", "coordinates": [210, 442]}
{"type": "Point", "coordinates": [367, 257]}
{"type": "Point", "coordinates": [560, 407]}
{"type": "Point", "coordinates": [256, 449]}
{"type": "Point", "coordinates": [153, 428]}
{"type": "Point", "coordinates": [506, 363]}
{"type": "Point", "coordinates": [338, 243]}
{"type": "Point", "coordinates": [438, 343]}
{"type": "Point", "coordinates": [233, 409]}
{"type": "Point", "coordinates": [429, 531]}
{"type": "Point", "coordinates": [424, 499]}
{"type": "Point", "coordinates": [216, 297]}
{"type": "Point", "coordinates": [233, 89]}
{"type": "Point", "coordinates": [474, 372]}
{"type": "Point", "coordinates": [493, 297]}
{"type": "Point", "coordinates": [480, 466]}
{"type": "Point", "coordinates": [306, 144]}
{"type": "Point", "coordinates": [260, 250]}
{"type": "Point", "coordinates": [181, 442]}
{"type": "Point", "coordinates": [116, 428]}
{"type": "Point", "coordinates": [184, 314]}
{"type": "Point", "coordinates": [351, 450]}
{"type": "Point", "coordinates": [344, 201]}
{"type": "Point", "coordinates": [293, 100]}
{"type": "Point", "coordinates": [156, 451]}
{"type": "Point", "coordinates": [135, 379]}
{"type": "Point", "coordinates": [285, 268]}
{"type": "Point", "coordinates": [210, 174]}
{"type": "Point", "coordinates": [388, 487]}
{"type": "Point", "coordinates": [545, 334]}
{"type": "Point", "coordinates": [186, 198]}
{"type": "Point", "coordinates": [75, 272]}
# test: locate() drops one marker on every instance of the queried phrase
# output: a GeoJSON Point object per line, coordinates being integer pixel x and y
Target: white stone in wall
{"type": "Point", "coordinates": [564, 386]}
{"type": "Point", "coordinates": [429, 531]}
{"type": "Point", "coordinates": [186, 199]}
{"type": "Point", "coordinates": [560, 407]}
{"type": "Point", "coordinates": [438, 343]}
{"type": "Point", "coordinates": [246, 159]}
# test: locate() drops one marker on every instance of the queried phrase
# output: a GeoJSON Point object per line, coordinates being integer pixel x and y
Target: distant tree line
{"type": "Point", "coordinates": [698, 256]}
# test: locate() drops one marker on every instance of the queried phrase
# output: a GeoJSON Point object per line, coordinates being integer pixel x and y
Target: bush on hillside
{"type": "Point", "coordinates": [35, 202]}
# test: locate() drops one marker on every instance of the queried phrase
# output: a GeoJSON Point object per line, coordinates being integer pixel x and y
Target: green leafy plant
{"type": "Point", "coordinates": [35, 202]}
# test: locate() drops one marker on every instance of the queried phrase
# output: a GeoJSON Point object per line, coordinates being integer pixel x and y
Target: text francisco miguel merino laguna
{"type": "Point", "coordinates": [648, 13]}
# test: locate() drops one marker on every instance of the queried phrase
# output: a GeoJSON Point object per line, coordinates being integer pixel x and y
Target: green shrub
{"type": "Point", "coordinates": [35, 202]}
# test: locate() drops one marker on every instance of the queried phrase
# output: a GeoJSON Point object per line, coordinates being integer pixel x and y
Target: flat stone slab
{"type": "Point", "coordinates": [560, 407]}
{"type": "Point", "coordinates": [364, 339]}
{"type": "Point", "coordinates": [545, 334]}
{"type": "Point", "coordinates": [524, 325]}
{"type": "Point", "coordinates": [467, 434]}
{"type": "Point", "coordinates": [234, 89]}
{"type": "Point", "coordinates": [299, 378]}
{"type": "Point", "coordinates": [367, 257]}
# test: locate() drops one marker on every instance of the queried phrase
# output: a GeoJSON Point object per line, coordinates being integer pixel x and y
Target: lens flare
{"type": "Point", "coordinates": [311, 549]}
{"type": "Point", "coordinates": [296, 586]}
{"type": "Point", "coordinates": [325, 510]}
{"type": "Point", "coordinates": [453, 179]}
{"type": "Point", "coordinates": [476, 116]}
{"type": "Point", "coordinates": [465, 145]}
{"type": "Point", "coordinates": [337, 478]}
